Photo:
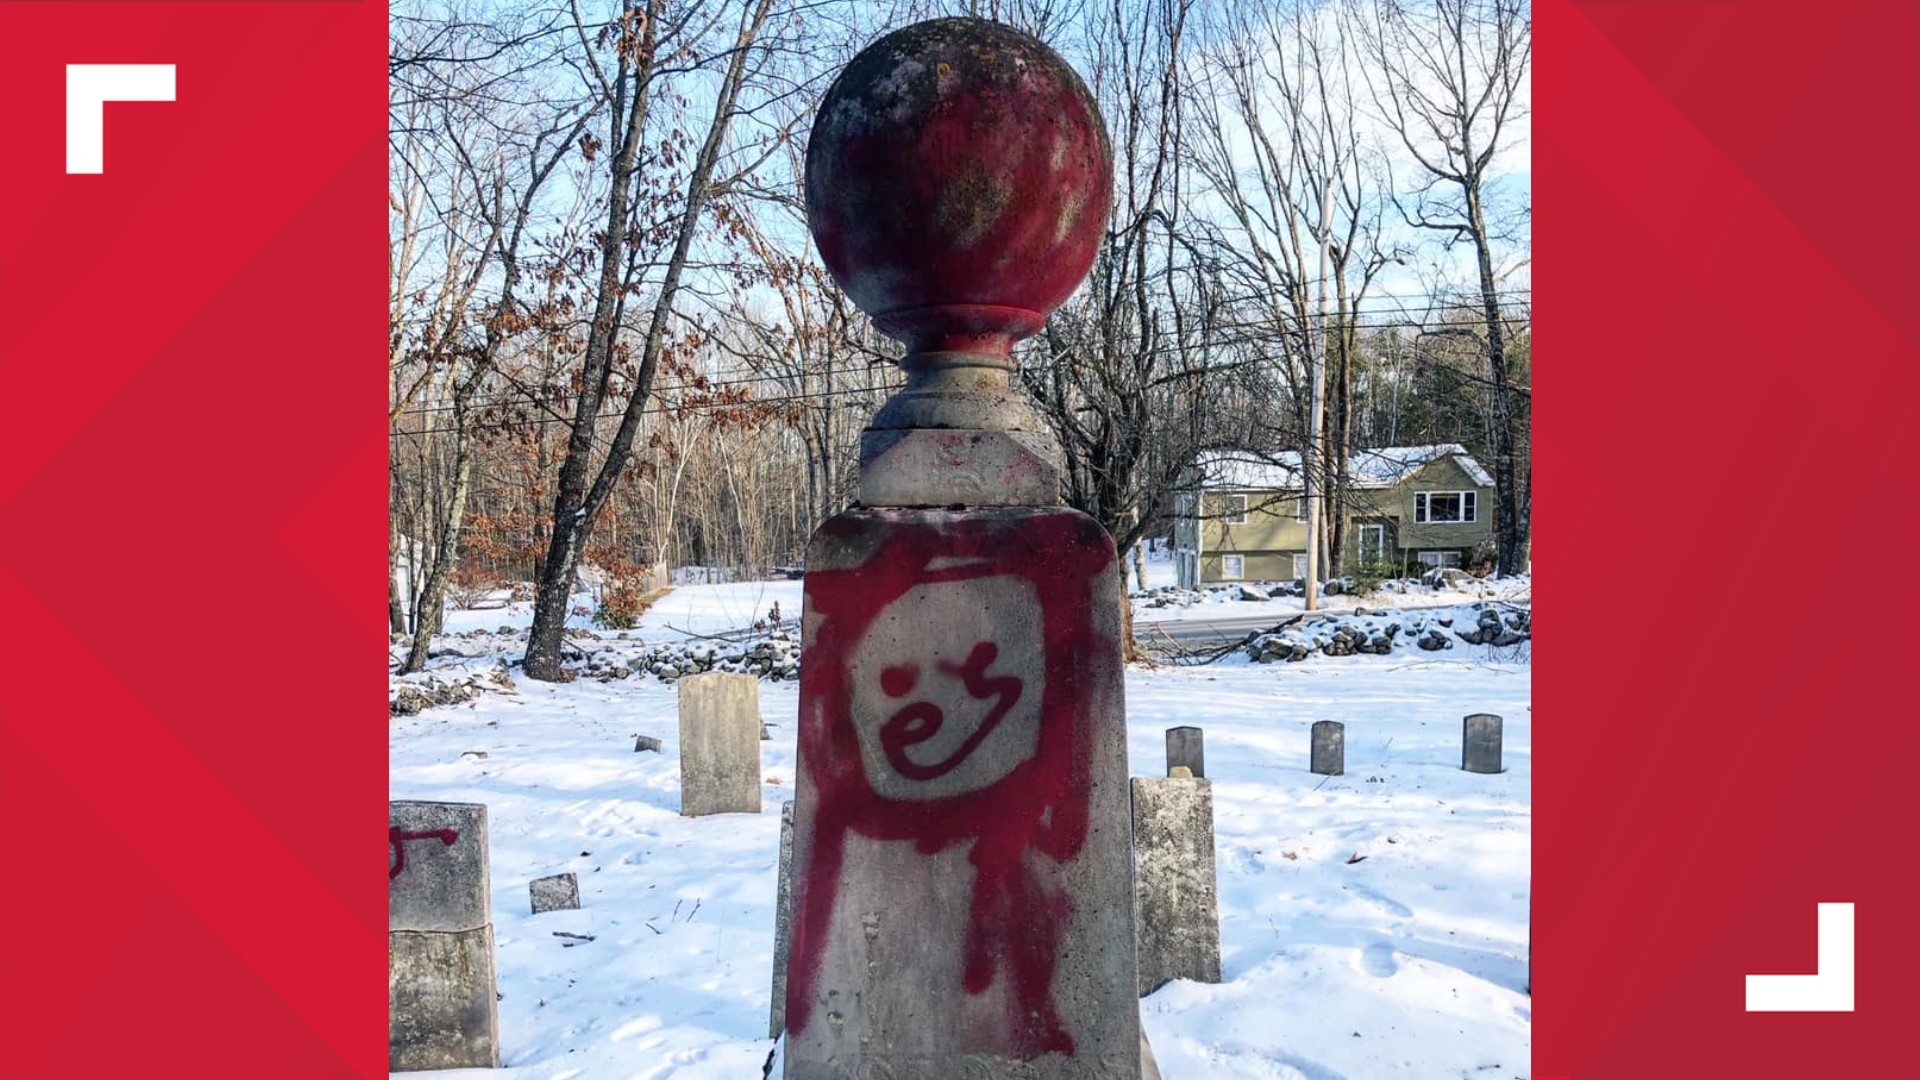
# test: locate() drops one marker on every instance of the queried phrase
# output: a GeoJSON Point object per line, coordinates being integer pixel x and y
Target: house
{"type": "Point", "coordinates": [1242, 515]}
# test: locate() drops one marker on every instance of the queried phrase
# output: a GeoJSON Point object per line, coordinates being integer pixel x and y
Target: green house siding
{"type": "Point", "coordinates": [1271, 535]}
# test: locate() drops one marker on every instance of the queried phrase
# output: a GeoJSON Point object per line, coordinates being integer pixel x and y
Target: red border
{"type": "Point", "coordinates": [190, 539]}
{"type": "Point", "coordinates": [1727, 452]}
{"type": "Point", "coordinates": [192, 473]}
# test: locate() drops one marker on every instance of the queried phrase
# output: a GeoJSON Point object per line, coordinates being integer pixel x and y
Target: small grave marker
{"type": "Point", "coordinates": [1329, 748]}
{"type": "Point", "coordinates": [1186, 746]}
{"type": "Point", "coordinates": [442, 1008]}
{"type": "Point", "coordinates": [1176, 894]}
{"type": "Point", "coordinates": [719, 744]}
{"type": "Point", "coordinates": [560, 892]}
{"type": "Point", "coordinates": [782, 924]}
{"type": "Point", "coordinates": [1480, 743]}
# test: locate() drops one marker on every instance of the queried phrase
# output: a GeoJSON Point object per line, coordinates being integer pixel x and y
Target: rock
{"type": "Point", "coordinates": [560, 892]}
{"type": "Point", "coordinates": [643, 743]}
{"type": "Point", "coordinates": [1252, 592]}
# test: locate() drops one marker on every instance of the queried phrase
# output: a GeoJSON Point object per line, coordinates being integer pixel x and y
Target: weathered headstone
{"type": "Point", "coordinates": [644, 743]}
{"type": "Point", "coordinates": [962, 893]}
{"type": "Point", "coordinates": [1329, 753]}
{"type": "Point", "coordinates": [1480, 743]}
{"type": "Point", "coordinates": [1187, 746]}
{"type": "Point", "coordinates": [560, 892]}
{"type": "Point", "coordinates": [1177, 894]}
{"type": "Point", "coordinates": [441, 1005]}
{"type": "Point", "coordinates": [782, 924]}
{"type": "Point", "coordinates": [719, 744]}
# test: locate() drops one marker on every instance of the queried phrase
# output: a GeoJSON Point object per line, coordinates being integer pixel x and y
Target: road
{"type": "Point", "coordinates": [1204, 633]}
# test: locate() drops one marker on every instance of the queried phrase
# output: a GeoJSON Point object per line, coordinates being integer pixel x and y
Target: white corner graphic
{"type": "Point", "coordinates": [89, 88]}
{"type": "Point", "coordinates": [1829, 988]}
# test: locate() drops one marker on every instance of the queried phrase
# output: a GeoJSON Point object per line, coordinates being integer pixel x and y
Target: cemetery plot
{"type": "Point", "coordinates": [1420, 946]}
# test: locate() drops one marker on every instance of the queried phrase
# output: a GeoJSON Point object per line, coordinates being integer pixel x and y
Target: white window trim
{"type": "Point", "coordinates": [1231, 518]}
{"type": "Point", "coordinates": [1239, 563]}
{"type": "Point", "coordinates": [1300, 507]}
{"type": "Point", "coordinates": [1360, 539]}
{"type": "Point", "coordinates": [1469, 508]}
{"type": "Point", "coordinates": [1440, 557]}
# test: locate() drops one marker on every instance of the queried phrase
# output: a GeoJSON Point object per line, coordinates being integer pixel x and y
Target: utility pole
{"type": "Point", "coordinates": [1311, 461]}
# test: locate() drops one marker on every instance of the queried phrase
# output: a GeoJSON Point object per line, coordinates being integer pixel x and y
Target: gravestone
{"type": "Point", "coordinates": [1480, 743]}
{"type": "Point", "coordinates": [962, 852]}
{"type": "Point", "coordinates": [442, 1010]}
{"type": "Point", "coordinates": [560, 892]}
{"type": "Point", "coordinates": [1329, 754]}
{"type": "Point", "coordinates": [1176, 892]}
{"type": "Point", "coordinates": [1186, 746]}
{"type": "Point", "coordinates": [782, 924]}
{"type": "Point", "coordinates": [719, 744]}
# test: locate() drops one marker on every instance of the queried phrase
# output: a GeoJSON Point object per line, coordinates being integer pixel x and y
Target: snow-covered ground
{"type": "Point", "coordinates": [1163, 602]}
{"type": "Point", "coordinates": [1408, 963]}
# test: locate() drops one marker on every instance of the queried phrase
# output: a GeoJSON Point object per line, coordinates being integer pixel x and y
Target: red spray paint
{"type": "Point", "coordinates": [396, 842]}
{"type": "Point", "coordinates": [1035, 814]}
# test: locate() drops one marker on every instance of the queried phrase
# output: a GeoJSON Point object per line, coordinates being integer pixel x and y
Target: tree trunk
{"type": "Point", "coordinates": [1506, 510]}
{"type": "Point", "coordinates": [432, 602]}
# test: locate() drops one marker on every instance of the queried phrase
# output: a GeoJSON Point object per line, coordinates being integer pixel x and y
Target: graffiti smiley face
{"type": "Point", "coordinates": [946, 701]}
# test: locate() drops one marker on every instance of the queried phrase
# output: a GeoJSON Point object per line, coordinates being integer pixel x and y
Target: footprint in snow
{"type": "Point", "coordinates": [1378, 960]}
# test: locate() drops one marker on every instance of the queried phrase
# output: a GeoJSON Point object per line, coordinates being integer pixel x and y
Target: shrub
{"type": "Point", "coordinates": [622, 599]}
{"type": "Point", "coordinates": [1481, 560]}
{"type": "Point", "coordinates": [1365, 578]}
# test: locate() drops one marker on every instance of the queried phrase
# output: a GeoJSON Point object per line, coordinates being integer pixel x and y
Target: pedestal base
{"type": "Point", "coordinates": [963, 890]}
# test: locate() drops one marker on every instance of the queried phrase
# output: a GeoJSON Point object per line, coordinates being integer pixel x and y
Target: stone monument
{"type": "Point", "coordinates": [1327, 754]}
{"type": "Point", "coordinates": [1187, 746]}
{"type": "Point", "coordinates": [719, 744]}
{"type": "Point", "coordinates": [963, 885]}
{"type": "Point", "coordinates": [441, 1006]}
{"type": "Point", "coordinates": [1178, 893]}
{"type": "Point", "coordinates": [1480, 743]}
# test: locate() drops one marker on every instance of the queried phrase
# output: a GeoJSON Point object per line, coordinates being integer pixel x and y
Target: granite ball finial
{"type": "Point", "coordinates": [958, 182]}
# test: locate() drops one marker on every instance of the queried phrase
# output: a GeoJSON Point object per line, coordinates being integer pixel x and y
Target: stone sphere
{"type": "Point", "coordinates": [958, 182]}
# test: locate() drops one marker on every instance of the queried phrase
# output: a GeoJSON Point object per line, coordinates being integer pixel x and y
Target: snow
{"type": "Point", "coordinates": [1409, 963]}
{"type": "Point", "coordinates": [687, 611]}
{"type": "Point", "coordinates": [1377, 468]}
{"type": "Point", "coordinates": [1221, 600]}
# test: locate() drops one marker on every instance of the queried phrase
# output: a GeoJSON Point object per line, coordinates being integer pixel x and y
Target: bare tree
{"type": "Point", "coordinates": [650, 43]}
{"type": "Point", "coordinates": [499, 137]}
{"type": "Point", "coordinates": [1449, 78]}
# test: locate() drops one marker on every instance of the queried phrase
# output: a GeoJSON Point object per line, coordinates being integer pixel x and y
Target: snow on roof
{"type": "Point", "coordinates": [1378, 468]}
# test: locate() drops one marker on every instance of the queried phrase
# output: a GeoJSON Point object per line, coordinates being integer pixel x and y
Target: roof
{"type": "Point", "coordinates": [1379, 468]}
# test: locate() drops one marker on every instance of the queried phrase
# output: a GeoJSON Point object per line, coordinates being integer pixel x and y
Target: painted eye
{"type": "Point", "coordinates": [899, 680]}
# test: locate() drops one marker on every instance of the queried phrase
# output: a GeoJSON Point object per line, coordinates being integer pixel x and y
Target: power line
{"type": "Point", "coordinates": [1267, 333]}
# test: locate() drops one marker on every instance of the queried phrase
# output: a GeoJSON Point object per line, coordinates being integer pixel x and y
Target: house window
{"type": "Point", "coordinates": [1236, 510]}
{"type": "Point", "coordinates": [1444, 507]}
{"type": "Point", "coordinates": [1439, 560]}
{"type": "Point", "coordinates": [1300, 567]}
{"type": "Point", "coordinates": [1233, 567]}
